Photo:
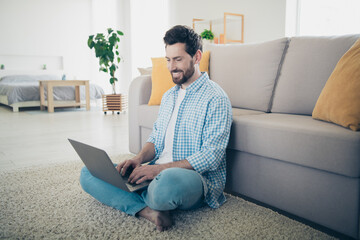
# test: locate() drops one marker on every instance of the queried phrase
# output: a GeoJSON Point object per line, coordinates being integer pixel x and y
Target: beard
{"type": "Point", "coordinates": [180, 77]}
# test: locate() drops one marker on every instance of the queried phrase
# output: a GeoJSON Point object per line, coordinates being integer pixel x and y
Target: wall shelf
{"type": "Point", "coordinates": [228, 29]}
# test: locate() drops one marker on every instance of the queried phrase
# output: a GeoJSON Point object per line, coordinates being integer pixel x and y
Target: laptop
{"type": "Point", "coordinates": [100, 165]}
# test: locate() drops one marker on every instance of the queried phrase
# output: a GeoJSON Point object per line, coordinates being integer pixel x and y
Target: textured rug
{"type": "Point", "coordinates": [48, 203]}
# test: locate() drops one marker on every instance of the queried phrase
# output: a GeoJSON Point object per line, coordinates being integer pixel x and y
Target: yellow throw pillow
{"type": "Point", "coordinates": [161, 78]}
{"type": "Point", "coordinates": [204, 62]}
{"type": "Point", "coordinates": [339, 101]}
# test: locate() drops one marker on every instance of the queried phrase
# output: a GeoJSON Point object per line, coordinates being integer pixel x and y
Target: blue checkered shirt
{"type": "Point", "coordinates": [201, 134]}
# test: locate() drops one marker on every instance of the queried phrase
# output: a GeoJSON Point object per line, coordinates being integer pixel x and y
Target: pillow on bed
{"type": "Point", "coordinates": [28, 78]}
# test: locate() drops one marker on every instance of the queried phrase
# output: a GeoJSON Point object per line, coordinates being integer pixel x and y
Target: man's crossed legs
{"type": "Point", "coordinates": [173, 188]}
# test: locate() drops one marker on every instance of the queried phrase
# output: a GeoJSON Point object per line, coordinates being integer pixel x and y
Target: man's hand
{"type": "Point", "coordinates": [127, 165]}
{"type": "Point", "coordinates": [146, 154]}
{"type": "Point", "coordinates": [145, 172]}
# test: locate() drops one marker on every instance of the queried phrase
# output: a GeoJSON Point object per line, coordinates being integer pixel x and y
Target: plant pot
{"type": "Point", "coordinates": [114, 102]}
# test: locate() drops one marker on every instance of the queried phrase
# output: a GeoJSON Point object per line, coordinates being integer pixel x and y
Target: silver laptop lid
{"type": "Point", "coordinates": [99, 164]}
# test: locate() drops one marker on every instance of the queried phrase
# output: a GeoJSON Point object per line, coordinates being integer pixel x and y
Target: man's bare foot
{"type": "Point", "coordinates": [161, 219]}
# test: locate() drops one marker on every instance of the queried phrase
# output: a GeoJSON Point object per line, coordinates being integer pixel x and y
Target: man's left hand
{"type": "Point", "coordinates": [145, 172]}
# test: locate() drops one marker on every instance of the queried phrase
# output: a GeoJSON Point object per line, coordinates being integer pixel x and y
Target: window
{"type": "Point", "coordinates": [328, 17]}
{"type": "Point", "coordinates": [149, 22]}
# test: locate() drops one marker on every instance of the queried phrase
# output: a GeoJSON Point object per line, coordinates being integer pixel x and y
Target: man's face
{"type": "Point", "coordinates": [179, 63]}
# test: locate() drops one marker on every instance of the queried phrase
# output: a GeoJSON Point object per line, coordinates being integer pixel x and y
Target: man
{"type": "Point", "coordinates": [186, 147]}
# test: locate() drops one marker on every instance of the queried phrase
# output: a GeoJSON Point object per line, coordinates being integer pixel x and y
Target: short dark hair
{"type": "Point", "coordinates": [184, 34]}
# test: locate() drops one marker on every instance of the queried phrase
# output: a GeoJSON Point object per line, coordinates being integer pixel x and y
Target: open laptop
{"type": "Point", "coordinates": [100, 165]}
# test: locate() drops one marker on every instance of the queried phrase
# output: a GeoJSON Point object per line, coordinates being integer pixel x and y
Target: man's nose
{"type": "Point", "coordinates": [171, 66]}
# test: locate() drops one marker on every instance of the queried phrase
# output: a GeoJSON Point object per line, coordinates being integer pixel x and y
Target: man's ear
{"type": "Point", "coordinates": [198, 56]}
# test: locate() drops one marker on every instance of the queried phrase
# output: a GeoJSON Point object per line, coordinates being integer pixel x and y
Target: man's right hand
{"type": "Point", "coordinates": [128, 164]}
{"type": "Point", "coordinates": [146, 154]}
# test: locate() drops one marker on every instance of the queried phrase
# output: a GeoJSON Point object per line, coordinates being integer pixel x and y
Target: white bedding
{"type": "Point", "coordinates": [24, 88]}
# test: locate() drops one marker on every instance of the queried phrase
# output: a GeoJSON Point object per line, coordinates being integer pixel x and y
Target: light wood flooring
{"type": "Point", "coordinates": [33, 137]}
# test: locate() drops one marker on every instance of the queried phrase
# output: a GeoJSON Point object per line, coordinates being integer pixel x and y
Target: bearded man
{"type": "Point", "coordinates": [186, 148]}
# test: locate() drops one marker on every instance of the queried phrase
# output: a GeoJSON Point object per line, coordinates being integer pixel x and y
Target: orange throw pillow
{"type": "Point", "coordinates": [339, 101]}
{"type": "Point", "coordinates": [161, 78]}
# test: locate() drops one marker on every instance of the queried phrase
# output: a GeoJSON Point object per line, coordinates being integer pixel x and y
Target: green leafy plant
{"type": "Point", "coordinates": [207, 34]}
{"type": "Point", "coordinates": [106, 49]}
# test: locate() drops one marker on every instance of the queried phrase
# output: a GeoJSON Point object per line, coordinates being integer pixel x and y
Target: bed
{"type": "Point", "coordinates": [19, 86]}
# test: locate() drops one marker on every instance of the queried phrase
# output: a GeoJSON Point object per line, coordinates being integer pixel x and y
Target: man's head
{"type": "Point", "coordinates": [184, 34]}
{"type": "Point", "coordinates": [183, 53]}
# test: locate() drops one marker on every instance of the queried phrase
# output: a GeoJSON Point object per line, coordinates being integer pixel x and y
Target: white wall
{"type": "Point", "coordinates": [264, 19]}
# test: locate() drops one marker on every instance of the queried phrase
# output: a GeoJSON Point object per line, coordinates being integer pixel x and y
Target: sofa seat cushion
{"type": "Point", "coordinates": [298, 139]}
{"type": "Point", "coordinates": [241, 112]}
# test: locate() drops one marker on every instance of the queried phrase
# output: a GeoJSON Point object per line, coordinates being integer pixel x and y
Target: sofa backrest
{"type": "Point", "coordinates": [247, 72]}
{"type": "Point", "coordinates": [308, 63]}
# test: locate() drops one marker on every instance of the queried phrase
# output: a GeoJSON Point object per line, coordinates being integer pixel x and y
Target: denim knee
{"type": "Point", "coordinates": [84, 178]}
{"type": "Point", "coordinates": [175, 188]}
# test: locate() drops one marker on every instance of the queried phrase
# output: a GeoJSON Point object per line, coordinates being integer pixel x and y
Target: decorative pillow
{"type": "Point", "coordinates": [204, 62]}
{"type": "Point", "coordinates": [145, 71]}
{"type": "Point", "coordinates": [162, 80]}
{"type": "Point", "coordinates": [339, 101]}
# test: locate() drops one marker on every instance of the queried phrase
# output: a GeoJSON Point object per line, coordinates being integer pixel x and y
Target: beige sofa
{"type": "Point", "coordinates": [278, 154]}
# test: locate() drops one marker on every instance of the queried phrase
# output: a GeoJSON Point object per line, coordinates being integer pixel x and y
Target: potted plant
{"type": "Point", "coordinates": [207, 34]}
{"type": "Point", "coordinates": [106, 49]}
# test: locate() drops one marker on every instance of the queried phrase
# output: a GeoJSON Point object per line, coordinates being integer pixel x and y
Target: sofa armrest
{"type": "Point", "coordinates": [140, 90]}
{"type": "Point", "coordinates": [139, 93]}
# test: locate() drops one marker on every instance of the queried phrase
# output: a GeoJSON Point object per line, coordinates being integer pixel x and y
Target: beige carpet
{"type": "Point", "coordinates": [48, 202]}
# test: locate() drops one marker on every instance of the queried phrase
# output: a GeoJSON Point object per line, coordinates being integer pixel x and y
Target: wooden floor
{"type": "Point", "coordinates": [34, 137]}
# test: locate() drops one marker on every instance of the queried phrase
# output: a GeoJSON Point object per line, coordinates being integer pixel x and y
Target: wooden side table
{"type": "Point", "coordinates": [50, 84]}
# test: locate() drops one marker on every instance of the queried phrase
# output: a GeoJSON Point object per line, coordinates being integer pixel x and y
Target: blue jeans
{"type": "Point", "coordinates": [173, 188]}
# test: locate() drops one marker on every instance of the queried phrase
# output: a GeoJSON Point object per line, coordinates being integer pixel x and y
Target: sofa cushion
{"type": "Point", "coordinates": [339, 101]}
{"type": "Point", "coordinates": [308, 63]}
{"type": "Point", "coordinates": [247, 72]}
{"type": "Point", "coordinates": [161, 80]}
{"type": "Point", "coordinates": [298, 139]}
{"type": "Point", "coordinates": [145, 71]}
{"type": "Point", "coordinates": [204, 63]}
{"type": "Point", "coordinates": [241, 112]}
